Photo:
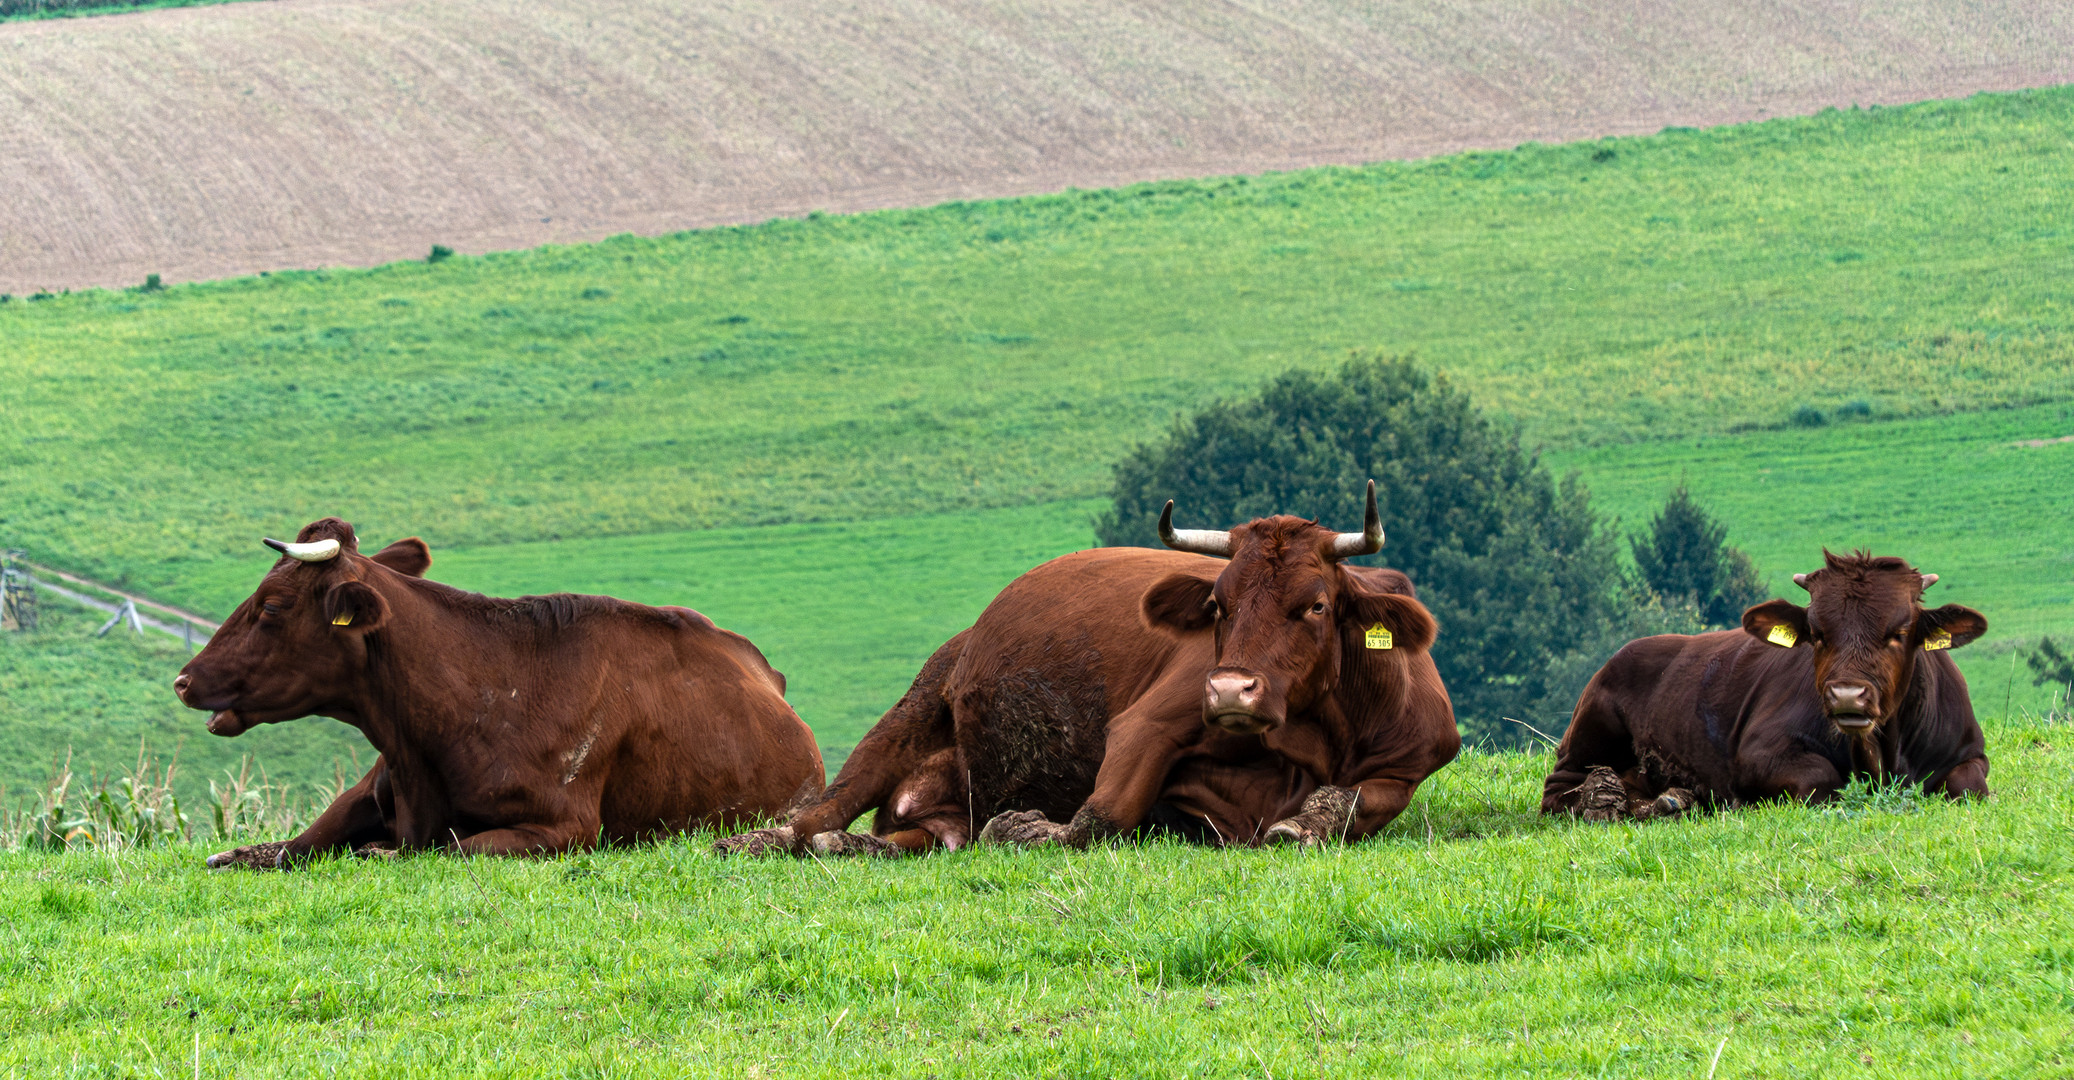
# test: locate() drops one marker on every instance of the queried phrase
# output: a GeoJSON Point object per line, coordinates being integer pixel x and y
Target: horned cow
{"type": "Point", "coordinates": [1249, 686]}
{"type": "Point", "coordinates": [540, 724]}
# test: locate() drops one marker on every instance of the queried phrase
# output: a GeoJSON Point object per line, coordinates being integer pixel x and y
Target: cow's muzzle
{"type": "Point", "coordinates": [1232, 702]}
{"type": "Point", "coordinates": [1852, 707]}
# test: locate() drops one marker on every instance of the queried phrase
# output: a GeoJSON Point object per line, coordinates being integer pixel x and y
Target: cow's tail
{"type": "Point", "coordinates": [915, 729]}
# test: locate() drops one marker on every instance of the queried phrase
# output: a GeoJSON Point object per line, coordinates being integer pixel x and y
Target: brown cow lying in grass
{"type": "Point", "coordinates": [1279, 696]}
{"type": "Point", "coordinates": [540, 724]}
{"type": "Point", "coordinates": [1795, 704]}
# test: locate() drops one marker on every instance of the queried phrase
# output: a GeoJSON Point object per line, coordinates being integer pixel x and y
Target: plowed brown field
{"type": "Point", "coordinates": [205, 142]}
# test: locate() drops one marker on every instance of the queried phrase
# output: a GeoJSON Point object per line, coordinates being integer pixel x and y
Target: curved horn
{"type": "Point", "coordinates": [1200, 541]}
{"type": "Point", "coordinates": [1801, 580]}
{"type": "Point", "coordinates": [1929, 580]}
{"type": "Point", "coordinates": [1366, 542]}
{"type": "Point", "coordinates": [315, 551]}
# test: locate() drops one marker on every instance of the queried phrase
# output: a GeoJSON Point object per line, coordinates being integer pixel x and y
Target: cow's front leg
{"type": "Point", "coordinates": [1969, 779]}
{"type": "Point", "coordinates": [354, 819]}
{"type": "Point", "coordinates": [1344, 813]}
{"type": "Point", "coordinates": [1140, 752]}
{"type": "Point", "coordinates": [1326, 815]}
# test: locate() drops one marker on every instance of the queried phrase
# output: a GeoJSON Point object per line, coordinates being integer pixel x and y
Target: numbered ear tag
{"type": "Point", "coordinates": [1378, 637]}
{"type": "Point", "coordinates": [1782, 635]}
{"type": "Point", "coordinates": [345, 618]}
{"type": "Point", "coordinates": [1938, 639]}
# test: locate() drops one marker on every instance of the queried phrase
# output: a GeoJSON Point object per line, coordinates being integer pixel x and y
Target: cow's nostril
{"type": "Point", "coordinates": [180, 684]}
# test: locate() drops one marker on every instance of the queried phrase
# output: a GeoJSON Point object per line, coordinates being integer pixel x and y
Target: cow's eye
{"type": "Point", "coordinates": [270, 608]}
{"type": "Point", "coordinates": [1318, 608]}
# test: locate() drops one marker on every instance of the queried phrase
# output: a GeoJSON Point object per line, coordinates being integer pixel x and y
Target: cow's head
{"type": "Point", "coordinates": [1866, 623]}
{"type": "Point", "coordinates": [1286, 612]}
{"type": "Point", "coordinates": [296, 645]}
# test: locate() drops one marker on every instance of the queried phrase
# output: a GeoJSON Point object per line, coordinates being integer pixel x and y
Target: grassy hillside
{"type": "Point", "coordinates": [248, 137]}
{"type": "Point", "coordinates": [1879, 937]}
{"type": "Point", "coordinates": [842, 436]}
{"type": "Point", "coordinates": [1003, 354]}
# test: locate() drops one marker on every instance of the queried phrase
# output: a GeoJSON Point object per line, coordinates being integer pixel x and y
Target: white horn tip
{"type": "Point", "coordinates": [314, 551]}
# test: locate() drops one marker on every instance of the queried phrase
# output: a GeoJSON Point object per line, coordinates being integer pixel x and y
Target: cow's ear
{"type": "Point", "coordinates": [1410, 625]}
{"type": "Point", "coordinates": [1950, 626]}
{"type": "Point", "coordinates": [408, 556]}
{"type": "Point", "coordinates": [1180, 602]}
{"type": "Point", "coordinates": [354, 606]}
{"type": "Point", "coordinates": [1780, 622]}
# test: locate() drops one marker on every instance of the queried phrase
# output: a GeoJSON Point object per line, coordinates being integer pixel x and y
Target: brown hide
{"type": "Point", "coordinates": [1739, 715]}
{"type": "Point", "coordinates": [1080, 693]}
{"type": "Point", "coordinates": [543, 723]}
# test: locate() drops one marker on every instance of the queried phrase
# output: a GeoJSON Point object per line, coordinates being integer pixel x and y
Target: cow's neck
{"type": "Point", "coordinates": [414, 699]}
{"type": "Point", "coordinates": [1878, 755]}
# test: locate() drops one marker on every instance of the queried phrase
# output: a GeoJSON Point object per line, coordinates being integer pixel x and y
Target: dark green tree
{"type": "Point", "coordinates": [1686, 557]}
{"type": "Point", "coordinates": [2050, 664]}
{"type": "Point", "coordinates": [1512, 562]}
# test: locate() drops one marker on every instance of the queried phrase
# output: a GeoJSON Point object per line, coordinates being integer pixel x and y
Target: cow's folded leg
{"type": "Point", "coordinates": [1672, 803]}
{"type": "Point", "coordinates": [1324, 817]}
{"type": "Point", "coordinates": [1968, 779]}
{"type": "Point", "coordinates": [1024, 828]}
{"type": "Point", "coordinates": [266, 856]}
{"type": "Point", "coordinates": [833, 844]}
{"type": "Point", "coordinates": [1141, 750]}
{"type": "Point", "coordinates": [906, 739]}
{"type": "Point", "coordinates": [756, 842]}
{"type": "Point", "coordinates": [376, 851]}
{"type": "Point", "coordinates": [352, 819]}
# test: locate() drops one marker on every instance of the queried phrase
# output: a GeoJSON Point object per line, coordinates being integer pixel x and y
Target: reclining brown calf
{"type": "Point", "coordinates": [1272, 693]}
{"type": "Point", "coordinates": [539, 724]}
{"type": "Point", "coordinates": [1858, 683]}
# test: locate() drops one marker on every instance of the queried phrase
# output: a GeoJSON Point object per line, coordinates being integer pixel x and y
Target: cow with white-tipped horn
{"type": "Point", "coordinates": [1248, 687]}
{"type": "Point", "coordinates": [538, 724]}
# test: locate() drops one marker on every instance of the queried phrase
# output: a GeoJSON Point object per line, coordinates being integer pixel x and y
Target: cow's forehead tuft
{"type": "Point", "coordinates": [1271, 553]}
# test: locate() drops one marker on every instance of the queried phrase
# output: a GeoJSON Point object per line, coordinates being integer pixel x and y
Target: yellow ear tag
{"type": "Point", "coordinates": [1938, 639]}
{"type": "Point", "coordinates": [1783, 635]}
{"type": "Point", "coordinates": [1378, 637]}
{"type": "Point", "coordinates": [344, 619]}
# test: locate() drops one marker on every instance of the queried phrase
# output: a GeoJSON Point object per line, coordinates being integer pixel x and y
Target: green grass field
{"type": "Point", "coordinates": [1885, 936]}
{"type": "Point", "coordinates": [842, 435]}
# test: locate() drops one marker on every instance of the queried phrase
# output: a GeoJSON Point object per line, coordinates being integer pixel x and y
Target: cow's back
{"type": "Point", "coordinates": [699, 728]}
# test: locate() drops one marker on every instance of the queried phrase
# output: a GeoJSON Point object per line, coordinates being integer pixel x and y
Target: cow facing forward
{"type": "Point", "coordinates": [1795, 704]}
{"type": "Point", "coordinates": [540, 724]}
{"type": "Point", "coordinates": [1270, 692]}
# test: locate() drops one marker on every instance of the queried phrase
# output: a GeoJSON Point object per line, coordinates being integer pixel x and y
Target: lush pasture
{"type": "Point", "coordinates": [1004, 353]}
{"type": "Point", "coordinates": [1886, 936]}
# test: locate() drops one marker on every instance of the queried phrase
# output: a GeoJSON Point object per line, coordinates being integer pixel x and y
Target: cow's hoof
{"type": "Point", "coordinates": [1026, 828]}
{"type": "Point", "coordinates": [1292, 831]}
{"type": "Point", "coordinates": [1602, 797]}
{"type": "Point", "coordinates": [834, 843]}
{"type": "Point", "coordinates": [758, 842]}
{"type": "Point", "coordinates": [267, 856]}
{"type": "Point", "coordinates": [1673, 803]}
{"type": "Point", "coordinates": [375, 851]}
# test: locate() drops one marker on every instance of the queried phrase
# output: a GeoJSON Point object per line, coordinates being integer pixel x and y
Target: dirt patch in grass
{"type": "Point", "coordinates": [212, 141]}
